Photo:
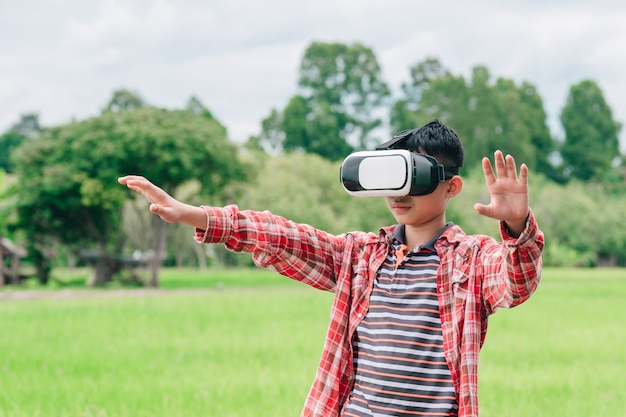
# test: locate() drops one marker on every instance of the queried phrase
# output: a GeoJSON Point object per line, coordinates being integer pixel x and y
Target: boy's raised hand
{"type": "Point", "coordinates": [164, 205]}
{"type": "Point", "coordinates": [161, 203]}
{"type": "Point", "coordinates": [509, 193]}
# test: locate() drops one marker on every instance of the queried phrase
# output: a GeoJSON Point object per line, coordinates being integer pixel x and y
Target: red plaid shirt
{"type": "Point", "coordinates": [477, 275]}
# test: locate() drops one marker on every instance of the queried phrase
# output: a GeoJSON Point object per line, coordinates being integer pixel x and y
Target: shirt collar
{"type": "Point", "coordinates": [399, 235]}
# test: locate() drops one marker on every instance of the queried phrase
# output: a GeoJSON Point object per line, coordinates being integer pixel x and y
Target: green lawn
{"type": "Point", "coordinates": [563, 352]}
{"type": "Point", "coordinates": [252, 350]}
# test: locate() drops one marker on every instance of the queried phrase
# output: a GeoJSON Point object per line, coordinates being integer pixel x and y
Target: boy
{"type": "Point", "coordinates": [411, 302]}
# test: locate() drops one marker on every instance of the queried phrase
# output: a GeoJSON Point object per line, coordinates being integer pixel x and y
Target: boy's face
{"type": "Point", "coordinates": [421, 210]}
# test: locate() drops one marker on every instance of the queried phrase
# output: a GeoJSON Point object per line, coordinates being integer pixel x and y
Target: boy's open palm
{"type": "Point", "coordinates": [509, 193]}
{"type": "Point", "coordinates": [161, 203]}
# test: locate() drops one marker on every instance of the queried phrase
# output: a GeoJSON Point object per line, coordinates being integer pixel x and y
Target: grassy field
{"type": "Point", "coordinates": [562, 353]}
{"type": "Point", "coordinates": [249, 346]}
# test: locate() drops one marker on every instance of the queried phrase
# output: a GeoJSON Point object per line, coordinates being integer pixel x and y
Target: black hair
{"type": "Point", "coordinates": [437, 140]}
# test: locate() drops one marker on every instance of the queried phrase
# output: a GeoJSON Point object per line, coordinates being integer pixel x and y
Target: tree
{"type": "Point", "coordinates": [315, 132]}
{"type": "Point", "coordinates": [344, 81]}
{"type": "Point", "coordinates": [272, 135]}
{"type": "Point", "coordinates": [67, 178]}
{"type": "Point", "coordinates": [306, 188]}
{"type": "Point", "coordinates": [487, 114]}
{"type": "Point", "coordinates": [27, 128]}
{"type": "Point", "coordinates": [124, 100]}
{"type": "Point", "coordinates": [7, 193]}
{"type": "Point", "coordinates": [534, 117]}
{"type": "Point", "coordinates": [337, 109]}
{"type": "Point", "coordinates": [195, 106]}
{"type": "Point", "coordinates": [591, 144]}
{"type": "Point", "coordinates": [421, 75]}
{"type": "Point", "coordinates": [8, 142]}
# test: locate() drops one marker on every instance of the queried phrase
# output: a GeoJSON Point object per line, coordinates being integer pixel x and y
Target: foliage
{"type": "Point", "coordinates": [341, 94]}
{"type": "Point", "coordinates": [124, 100]}
{"type": "Point", "coordinates": [346, 81]}
{"type": "Point", "coordinates": [591, 135]}
{"type": "Point", "coordinates": [582, 222]}
{"type": "Point", "coordinates": [584, 218]}
{"type": "Point", "coordinates": [314, 129]}
{"type": "Point", "coordinates": [62, 177]}
{"type": "Point", "coordinates": [487, 115]}
{"type": "Point", "coordinates": [70, 173]}
{"type": "Point", "coordinates": [6, 205]}
{"type": "Point", "coordinates": [8, 142]}
{"type": "Point", "coordinates": [67, 191]}
{"type": "Point", "coordinates": [306, 188]}
{"type": "Point", "coordinates": [27, 128]}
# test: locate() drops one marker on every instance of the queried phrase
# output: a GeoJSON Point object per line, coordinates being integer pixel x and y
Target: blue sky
{"type": "Point", "coordinates": [63, 59]}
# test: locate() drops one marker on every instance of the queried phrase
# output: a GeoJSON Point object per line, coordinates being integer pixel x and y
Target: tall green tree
{"type": "Point", "coordinates": [338, 106]}
{"type": "Point", "coordinates": [344, 81]}
{"type": "Point", "coordinates": [403, 111]}
{"type": "Point", "coordinates": [27, 127]}
{"type": "Point", "coordinates": [67, 178]}
{"type": "Point", "coordinates": [591, 144]}
{"type": "Point", "coordinates": [124, 100]}
{"type": "Point", "coordinates": [487, 114]}
{"type": "Point", "coordinates": [9, 141]}
{"type": "Point", "coordinates": [272, 135]}
{"type": "Point", "coordinates": [321, 200]}
{"type": "Point", "coordinates": [534, 117]}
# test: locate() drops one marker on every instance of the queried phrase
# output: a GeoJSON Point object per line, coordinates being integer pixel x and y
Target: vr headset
{"type": "Point", "coordinates": [389, 172]}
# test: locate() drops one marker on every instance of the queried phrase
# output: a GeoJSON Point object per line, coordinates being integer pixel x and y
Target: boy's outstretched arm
{"type": "Point", "coordinates": [509, 193]}
{"type": "Point", "coordinates": [164, 205]}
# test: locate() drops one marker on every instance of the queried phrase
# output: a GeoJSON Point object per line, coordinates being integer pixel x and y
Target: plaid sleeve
{"type": "Point", "coordinates": [298, 251]}
{"type": "Point", "coordinates": [512, 269]}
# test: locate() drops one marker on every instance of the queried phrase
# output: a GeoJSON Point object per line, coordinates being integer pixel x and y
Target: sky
{"type": "Point", "coordinates": [63, 59]}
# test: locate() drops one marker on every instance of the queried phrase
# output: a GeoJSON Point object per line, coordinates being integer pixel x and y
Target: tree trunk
{"type": "Point", "coordinates": [160, 250]}
{"type": "Point", "coordinates": [201, 255]}
{"type": "Point", "coordinates": [103, 272]}
{"type": "Point", "coordinates": [2, 266]}
{"type": "Point", "coordinates": [42, 266]}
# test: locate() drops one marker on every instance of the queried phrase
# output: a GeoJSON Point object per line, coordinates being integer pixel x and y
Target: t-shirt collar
{"type": "Point", "coordinates": [399, 236]}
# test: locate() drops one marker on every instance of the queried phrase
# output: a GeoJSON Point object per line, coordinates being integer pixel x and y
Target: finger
{"type": "Point", "coordinates": [500, 164]}
{"type": "Point", "coordinates": [144, 187]}
{"type": "Point", "coordinates": [135, 185]}
{"type": "Point", "coordinates": [126, 178]}
{"type": "Point", "coordinates": [139, 184]}
{"type": "Point", "coordinates": [163, 212]}
{"type": "Point", "coordinates": [488, 171]}
{"type": "Point", "coordinates": [511, 168]}
{"type": "Point", "coordinates": [483, 209]}
{"type": "Point", "coordinates": [156, 209]}
{"type": "Point", "coordinates": [523, 174]}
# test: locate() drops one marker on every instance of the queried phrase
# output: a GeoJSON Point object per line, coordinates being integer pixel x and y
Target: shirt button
{"type": "Point", "coordinates": [440, 289]}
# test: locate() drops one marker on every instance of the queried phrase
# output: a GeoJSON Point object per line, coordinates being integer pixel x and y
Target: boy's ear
{"type": "Point", "coordinates": [455, 185]}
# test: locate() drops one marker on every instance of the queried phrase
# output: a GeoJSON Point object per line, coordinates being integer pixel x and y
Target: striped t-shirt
{"type": "Point", "coordinates": [400, 368]}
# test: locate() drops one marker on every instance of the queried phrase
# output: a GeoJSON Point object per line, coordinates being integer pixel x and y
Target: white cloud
{"type": "Point", "coordinates": [241, 57]}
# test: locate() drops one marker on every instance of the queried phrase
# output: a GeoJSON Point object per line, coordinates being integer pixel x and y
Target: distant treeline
{"type": "Point", "coordinates": [60, 199]}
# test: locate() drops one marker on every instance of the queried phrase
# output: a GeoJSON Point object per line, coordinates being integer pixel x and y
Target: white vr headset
{"type": "Point", "coordinates": [388, 172]}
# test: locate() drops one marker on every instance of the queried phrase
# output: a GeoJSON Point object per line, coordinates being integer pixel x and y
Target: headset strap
{"type": "Point", "coordinates": [396, 140]}
{"type": "Point", "coordinates": [439, 172]}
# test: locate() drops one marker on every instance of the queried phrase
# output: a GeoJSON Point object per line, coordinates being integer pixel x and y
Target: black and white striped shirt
{"type": "Point", "coordinates": [400, 368]}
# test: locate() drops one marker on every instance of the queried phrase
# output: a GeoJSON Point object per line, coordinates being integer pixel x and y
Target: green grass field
{"type": "Point", "coordinates": [251, 349]}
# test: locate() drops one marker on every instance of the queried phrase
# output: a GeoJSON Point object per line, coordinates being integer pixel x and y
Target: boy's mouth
{"type": "Point", "coordinates": [398, 207]}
